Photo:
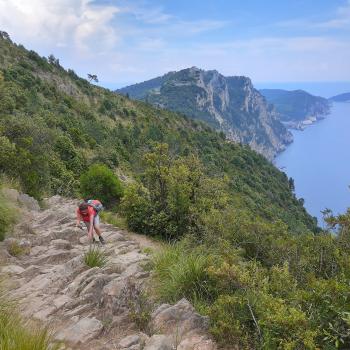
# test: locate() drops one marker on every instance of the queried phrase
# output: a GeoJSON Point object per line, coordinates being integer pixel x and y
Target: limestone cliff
{"type": "Point", "coordinates": [229, 104]}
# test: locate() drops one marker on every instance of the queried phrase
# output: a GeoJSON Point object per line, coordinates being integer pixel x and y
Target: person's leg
{"type": "Point", "coordinates": [97, 228]}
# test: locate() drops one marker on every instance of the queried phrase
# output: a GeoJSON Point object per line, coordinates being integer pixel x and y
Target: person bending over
{"type": "Point", "coordinates": [87, 213]}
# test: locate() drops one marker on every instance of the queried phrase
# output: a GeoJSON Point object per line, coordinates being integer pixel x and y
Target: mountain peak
{"type": "Point", "coordinates": [230, 104]}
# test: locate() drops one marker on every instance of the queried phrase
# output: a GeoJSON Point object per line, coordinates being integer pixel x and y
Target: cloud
{"type": "Point", "coordinates": [134, 40]}
{"type": "Point", "coordinates": [74, 23]}
{"type": "Point", "coordinates": [339, 19]}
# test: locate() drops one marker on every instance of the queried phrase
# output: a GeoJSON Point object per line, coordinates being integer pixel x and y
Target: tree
{"type": "Point", "coordinates": [5, 36]}
{"type": "Point", "coordinates": [53, 60]}
{"type": "Point", "coordinates": [92, 77]}
{"type": "Point", "coordinates": [291, 184]}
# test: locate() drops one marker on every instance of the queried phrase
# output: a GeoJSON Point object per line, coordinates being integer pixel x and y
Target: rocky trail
{"type": "Point", "coordinates": [92, 308]}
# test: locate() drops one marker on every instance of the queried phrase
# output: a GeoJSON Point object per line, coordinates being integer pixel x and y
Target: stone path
{"type": "Point", "coordinates": [92, 308]}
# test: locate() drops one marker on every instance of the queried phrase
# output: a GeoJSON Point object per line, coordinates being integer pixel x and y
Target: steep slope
{"type": "Point", "coordinates": [54, 125]}
{"type": "Point", "coordinates": [229, 104]}
{"type": "Point", "coordinates": [298, 107]}
{"type": "Point", "coordinates": [345, 97]}
{"type": "Point", "coordinates": [90, 308]}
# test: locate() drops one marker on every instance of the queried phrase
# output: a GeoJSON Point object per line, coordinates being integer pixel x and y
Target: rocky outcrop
{"type": "Point", "coordinates": [90, 308]}
{"type": "Point", "coordinates": [229, 104]}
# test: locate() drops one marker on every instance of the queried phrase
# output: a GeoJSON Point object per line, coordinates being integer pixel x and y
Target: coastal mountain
{"type": "Point", "coordinates": [229, 104]}
{"type": "Point", "coordinates": [297, 108]}
{"type": "Point", "coordinates": [54, 125]}
{"type": "Point", "coordinates": [242, 249]}
{"type": "Point", "coordinates": [345, 97]}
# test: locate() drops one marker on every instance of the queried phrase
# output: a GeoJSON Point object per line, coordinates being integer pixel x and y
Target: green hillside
{"type": "Point", "coordinates": [55, 124]}
{"type": "Point", "coordinates": [243, 249]}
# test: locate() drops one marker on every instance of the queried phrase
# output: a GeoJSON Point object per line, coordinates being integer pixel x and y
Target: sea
{"type": "Point", "coordinates": [319, 162]}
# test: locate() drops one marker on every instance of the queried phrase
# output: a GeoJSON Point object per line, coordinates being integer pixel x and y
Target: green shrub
{"type": "Point", "coordinates": [7, 217]}
{"type": "Point", "coordinates": [95, 257]}
{"type": "Point", "coordinates": [99, 182]}
{"type": "Point", "coordinates": [140, 310]}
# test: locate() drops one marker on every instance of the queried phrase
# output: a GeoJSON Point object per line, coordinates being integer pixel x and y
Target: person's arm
{"type": "Point", "coordinates": [79, 218]}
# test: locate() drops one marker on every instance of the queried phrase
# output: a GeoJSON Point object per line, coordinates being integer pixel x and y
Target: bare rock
{"type": "Point", "coordinates": [28, 202]}
{"type": "Point", "coordinates": [197, 342]}
{"type": "Point", "coordinates": [159, 342]}
{"type": "Point", "coordinates": [61, 244]}
{"type": "Point", "coordinates": [129, 341]}
{"type": "Point", "coordinates": [83, 331]}
{"type": "Point", "coordinates": [12, 269]}
{"type": "Point", "coordinates": [181, 317]}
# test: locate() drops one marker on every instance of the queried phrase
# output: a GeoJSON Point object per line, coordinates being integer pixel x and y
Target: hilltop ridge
{"type": "Point", "coordinates": [229, 104]}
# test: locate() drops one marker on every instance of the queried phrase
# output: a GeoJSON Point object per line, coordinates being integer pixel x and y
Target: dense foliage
{"type": "Point", "coordinates": [7, 217]}
{"type": "Point", "coordinates": [100, 182]}
{"type": "Point", "coordinates": [262, 287]}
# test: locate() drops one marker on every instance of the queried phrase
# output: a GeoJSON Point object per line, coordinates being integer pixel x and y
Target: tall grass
{"type": "Point", "coordinates": [114, 219]}
{"type": "Point", "coordinates": [17, 334]}
{"type": "Point", "coordinates": [181, 273]}
{"type": "Point", "coordinates": [95, 257]}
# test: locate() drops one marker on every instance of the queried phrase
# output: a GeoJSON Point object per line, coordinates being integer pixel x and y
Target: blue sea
{"type": "Point", "coordinates": [319, 162]}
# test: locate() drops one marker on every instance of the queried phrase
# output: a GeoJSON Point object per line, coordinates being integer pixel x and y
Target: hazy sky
{"type": "Point", "coordinates": [130, 41]}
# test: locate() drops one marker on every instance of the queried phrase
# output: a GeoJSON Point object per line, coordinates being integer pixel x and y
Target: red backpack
{"type": "Point", "coordinates": [96, 204]}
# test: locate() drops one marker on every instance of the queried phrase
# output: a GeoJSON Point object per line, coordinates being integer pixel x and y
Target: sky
{"type": "Point", "coordinates": [124, 42]}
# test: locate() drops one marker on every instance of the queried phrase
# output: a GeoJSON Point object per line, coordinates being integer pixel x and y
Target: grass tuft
{"type": "Point", "coordinates": [95, 257]}
{"type": "Point", "coordinates": [15, 249]}
{"type": "Point", "coordinates": [181, 274]}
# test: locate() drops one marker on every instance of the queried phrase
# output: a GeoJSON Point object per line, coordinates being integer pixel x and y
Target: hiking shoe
{"type": "Point", "coordinates": [102, 240]}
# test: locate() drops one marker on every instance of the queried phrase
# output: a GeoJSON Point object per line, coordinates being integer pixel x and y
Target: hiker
{"type": "Point", "coordinates": [88, 211]}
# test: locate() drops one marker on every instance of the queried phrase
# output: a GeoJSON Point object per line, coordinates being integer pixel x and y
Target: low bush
{"type": "Point", "coordinates": [140, 310]}
{"type": "Point", "coordinates": [95, 257]}
{"type": "Point", "coordinates": [7, 217]}
{"type": "Point", "coordinates": [99, 182]}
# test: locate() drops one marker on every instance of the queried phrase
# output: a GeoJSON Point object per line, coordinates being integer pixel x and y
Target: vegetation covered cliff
{"type": "Point", "coordinates": [297, 107]}
{"type": "Point", "coordinates": [229, 104]}
{"type": "Point", "coordinates": [345, 97]}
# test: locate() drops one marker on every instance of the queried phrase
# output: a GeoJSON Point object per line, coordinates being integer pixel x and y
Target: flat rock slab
{"type": "Point", "coordinates": [83, 331]}
{"type": "Point", "coordinates": [129, 341]}
{"type": "Point", "coordinates": [159, 342]}
{"type": "Point", "coordinates": [12, 269]}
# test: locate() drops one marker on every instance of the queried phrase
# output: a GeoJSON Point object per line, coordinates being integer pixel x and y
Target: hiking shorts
{"type": "Point", "coordinates": [96, 222]}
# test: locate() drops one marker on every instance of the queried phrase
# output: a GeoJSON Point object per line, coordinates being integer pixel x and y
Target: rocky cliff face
{"type": "Point", "coordinates": [230, 104]}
